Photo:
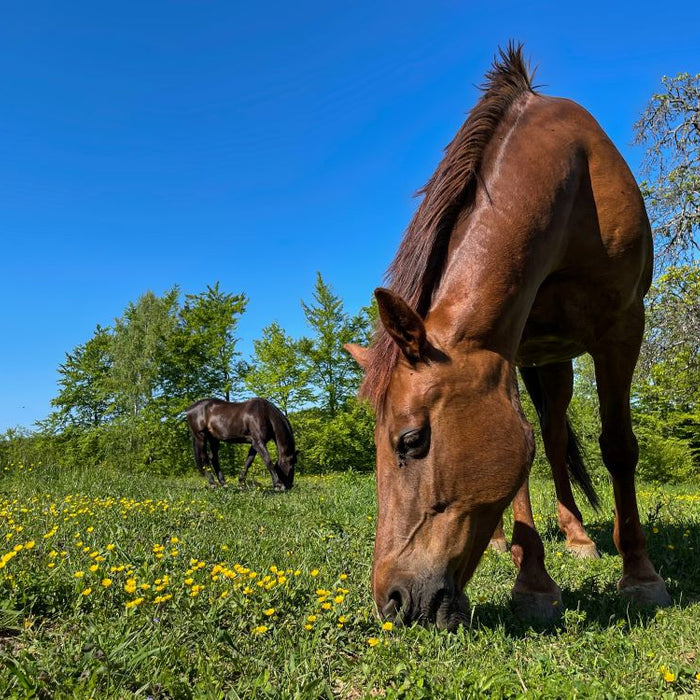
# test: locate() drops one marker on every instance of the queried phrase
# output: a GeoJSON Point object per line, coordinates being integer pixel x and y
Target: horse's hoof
{"type": "Point", "coordinates": [535, 605]}
{"type": "Point", "coordinates": [500, 546]}
{"type": "Point", "coordinates": [583, 551]}
{"type": "Point", "coordinates": [645, 593]}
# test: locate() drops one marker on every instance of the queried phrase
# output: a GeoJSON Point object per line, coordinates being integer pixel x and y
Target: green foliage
{"type": "Point", "coordinates": [340, 442]}
{"type": "Point", "coordinates": [333, 375]}
{"type": "Point", "coordinates": [84, 398]}
{"type": "Point", "coordinates": [277, 370]}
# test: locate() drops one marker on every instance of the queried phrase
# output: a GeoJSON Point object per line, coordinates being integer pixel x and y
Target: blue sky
{"type": "Point", "coordinates": [144, 145]}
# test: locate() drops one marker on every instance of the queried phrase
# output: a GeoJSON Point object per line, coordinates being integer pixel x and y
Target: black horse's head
{"type": "Point", "coordinates": [284, 468]}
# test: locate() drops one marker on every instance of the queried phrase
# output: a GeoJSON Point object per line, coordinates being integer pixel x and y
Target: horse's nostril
{"type": "Point", "coordinates": [397, 603]}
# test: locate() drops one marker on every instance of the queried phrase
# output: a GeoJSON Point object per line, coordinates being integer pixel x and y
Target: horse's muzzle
{"type": "Point", "coordinates": [433, 601]}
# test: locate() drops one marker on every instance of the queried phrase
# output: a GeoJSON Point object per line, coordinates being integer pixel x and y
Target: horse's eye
{"type": "Point", "coordinates": [413, 443]}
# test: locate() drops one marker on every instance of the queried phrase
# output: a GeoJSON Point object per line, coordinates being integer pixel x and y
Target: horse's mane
{"type": "Point", "coordinates": [417, 268]}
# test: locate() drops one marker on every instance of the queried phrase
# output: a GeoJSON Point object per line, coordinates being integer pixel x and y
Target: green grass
{"type": "Point", "coordinates": [308, 630]}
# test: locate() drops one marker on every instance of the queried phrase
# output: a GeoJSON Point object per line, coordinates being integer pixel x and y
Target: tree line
{"type": "Point", "coordinates": [122, 393]}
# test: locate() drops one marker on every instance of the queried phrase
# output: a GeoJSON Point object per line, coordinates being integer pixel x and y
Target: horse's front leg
{"type": "Point", "coordinates": [262, 451]}
{"type": "Point", "coordinates": [535, 594]}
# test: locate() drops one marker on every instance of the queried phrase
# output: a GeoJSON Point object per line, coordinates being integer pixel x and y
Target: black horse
{"type": "Point", "coordinates": [256, 422]}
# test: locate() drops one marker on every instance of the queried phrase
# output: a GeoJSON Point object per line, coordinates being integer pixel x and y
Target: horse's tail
{"type": "Point", "coordinates": [574, 454]}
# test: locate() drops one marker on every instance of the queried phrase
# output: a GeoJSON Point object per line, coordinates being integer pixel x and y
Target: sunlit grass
{"type": "Point", "coordinates": [117, 585]}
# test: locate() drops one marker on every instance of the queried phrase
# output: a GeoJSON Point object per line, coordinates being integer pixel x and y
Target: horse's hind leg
{"type": "Point", "coordinates": [557, 383]}
{"type": "Point", "coordinates": [214, 444]}
{"type": "Point", "coordinates": [614, 364]}
{"type": "Point", "coordinates": [498, 539]}
{"type": "Point", "coordinates": [535, 594]}
{"type": "Point", "coordinates": [246, 466]}
{"type": "Point", "coordinates": [201, 457]}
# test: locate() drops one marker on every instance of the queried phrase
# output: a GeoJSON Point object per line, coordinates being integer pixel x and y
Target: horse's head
{"type": "Point", "coordinates": [284, 468]}
{"type": "Point", "coordinates": [452, 449]}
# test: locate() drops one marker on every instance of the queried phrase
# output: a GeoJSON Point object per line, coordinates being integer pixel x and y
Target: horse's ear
{"type": "Point", "coordinates": [403, 324]}
{"type": "Point", "coordinates": [359, 354]}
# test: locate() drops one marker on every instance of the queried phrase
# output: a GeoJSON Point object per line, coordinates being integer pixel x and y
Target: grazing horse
{"type": "Point", "coordinates": [255, 421]}
{"type": "Point", "coordinates": [531, 246]}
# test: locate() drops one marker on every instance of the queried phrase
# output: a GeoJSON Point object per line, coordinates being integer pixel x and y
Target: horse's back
{"type": "Point", "coordinates": [586, 236]}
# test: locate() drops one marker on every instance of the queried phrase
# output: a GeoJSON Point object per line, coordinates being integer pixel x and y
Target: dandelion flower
{"type": "Point", "coordinates": [373, 641]}
{"type": "Point", "coordinates": [110, 547]}
{"type": "Point", "coordinates": [79, 574]}
{"type": "Point", "coordinates": [314, 573]}
{"type": "Point", "coordinates": [29, 545]}
{"type": "Point", "coordinates": [388, 626]}
{"type": "Point", "coordinates": [260, 629]}
{"type": "Point", "coordinates": [106, 582]}
{"type": "Point", "coordinates": [87, 591]}
{"type": "Point", "coordinates": [269, 612]}
{"type": "Point", "coordinates": [307, 626]}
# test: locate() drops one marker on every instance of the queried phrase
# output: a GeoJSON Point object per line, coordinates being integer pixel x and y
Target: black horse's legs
{"type": "Point", "coordinates": [201, 457]}
{"type": "Point", "coordinates": [246, 466]}
{"type": "Point", "coordinates": [214, 444]}
{"type": "Point", "coordinates": [262, 451]}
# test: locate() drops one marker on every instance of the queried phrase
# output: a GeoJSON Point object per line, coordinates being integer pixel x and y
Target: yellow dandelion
{"type": "Point", "coordinates": [247, 590]}
{"type": "Point", "coordinates": [388, 626]}
{"type": "Point", "coordinates": [343, 577]}
{"type": "Point", "coordinates": [269, 612]}
{"type": "Point", "coordinates": [188, 581]}
{"type": "Point", "coordinates": [224, 594]}
{"type": "Point", "coordinates": [110, 547]}
{"type": "Point", "coordinates": [79, 574]}
{"type": "Point", "coordinates": [133, 603]}
{"type": "Point", "coordinates": [314, 573]}
{"type": "Point", "coordinates": [94, 568]}
{"type": "Point", "coordinates": [668, 675]}
{"type": "Point", "coordinates": [307, 626]}
{"type": "Point", "coordinates": [260, 629]}
{"type": "Point", "coordinates": [326, 606]}
{"type": "Point", "coordinates": [29, 545]}
{"type": "Point", "coordinates": [86, 591]}
{"type": "Point", "coordinates": [338, 599]}
{"type": "Point", "coordinates": [174, 540]}
{"type": "Point", "coordinates": [106, 582]}
{"type": "Point", "coordinates": [373, 641]}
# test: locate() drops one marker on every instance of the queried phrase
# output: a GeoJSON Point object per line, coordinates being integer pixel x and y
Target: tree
{"type": "Point", "coordinates": [202, 349]}
{"type": "Point", "coordinates": [671, 126]}
{"type": "Point", "coordinates": [333, 374]}
{"type": "Point", "coordinates": [277, 370]}
{"type": "Point", "coordinates": [141, 342]}
{"type": "Point", "coordinates": [83, 399]}
{"type": "Point", "coordinates": [668, 383]}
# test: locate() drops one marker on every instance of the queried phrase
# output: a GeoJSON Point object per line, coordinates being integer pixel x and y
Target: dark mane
{"type": "Point", "coordinates": [417, 268]}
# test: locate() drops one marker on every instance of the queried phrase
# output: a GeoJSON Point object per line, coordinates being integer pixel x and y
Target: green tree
{"type": "Point", "coordinates": [142, 339]}
{"type": "Point", "coordinates": [333, 374]}
{"type": "Point", "coordinates": [667, 387]}
{"type": "Point", "coordinates": [277, 371]}
{"type": "Point", "coordinates": [202, 348]}
{"type": "Point", "coordinates": [83, 398]}
{"type": "Point", "coordinates": [670, 125]}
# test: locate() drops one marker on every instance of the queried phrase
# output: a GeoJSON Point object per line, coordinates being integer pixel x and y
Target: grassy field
{"type": "Point", "coordinates": [118, 586]}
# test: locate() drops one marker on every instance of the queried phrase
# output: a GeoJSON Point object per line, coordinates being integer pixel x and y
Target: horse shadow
{"type": "Point", "coordinates": [673, 548]}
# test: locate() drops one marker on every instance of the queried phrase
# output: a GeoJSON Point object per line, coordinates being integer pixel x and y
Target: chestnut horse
{"type": "Point", "coordinates": [255, 421]}
{"type": "Point", "coordinates": [530, 247]}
